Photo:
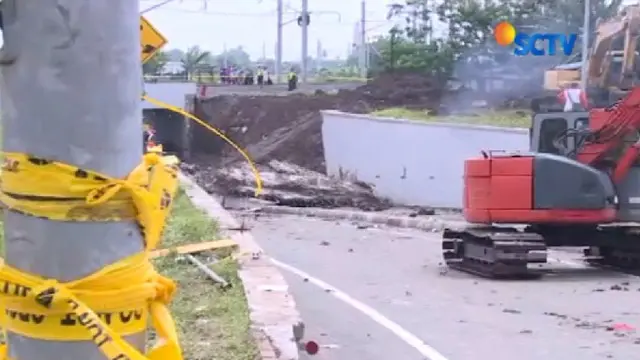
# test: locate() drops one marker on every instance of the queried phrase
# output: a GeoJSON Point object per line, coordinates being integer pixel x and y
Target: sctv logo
{"type": "Point", "coordinates": [536, 44]}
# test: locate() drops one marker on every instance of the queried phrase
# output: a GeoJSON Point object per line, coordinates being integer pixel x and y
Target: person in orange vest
{"type": "Point", "coordinates": [147, 135]}
{"type": "Point", "coordinates": [573, 98]}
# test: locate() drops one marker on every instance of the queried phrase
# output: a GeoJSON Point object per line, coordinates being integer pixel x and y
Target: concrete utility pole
{"type": "Point", "coordinates": [278, 66]}
{"type": "Point", "coordinates": [225, 62]}
{"type": "Point", "coordinates": [305, 41]}
{"type": "Point", "coordinates": [73, 95]}
{"type": "Point", "coordinates": [318, 55]}
{"type": "Point", "coordinates": [585, 44]}
{"type": "Point", "coordinates": [363, 40]}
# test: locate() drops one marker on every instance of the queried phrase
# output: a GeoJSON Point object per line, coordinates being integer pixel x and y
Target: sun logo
{"type": "Point", "coordinates": [505, 33]}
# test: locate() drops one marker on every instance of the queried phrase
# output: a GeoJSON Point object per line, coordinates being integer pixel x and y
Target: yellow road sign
{"type": "Point", "coordinates": [150, 40]}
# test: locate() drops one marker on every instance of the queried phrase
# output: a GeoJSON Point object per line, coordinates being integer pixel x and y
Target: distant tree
{"type": "Point", "coordinates": [569, 14]}
{"type": "Point", "coordinates": [233, 57]}
{"type": "Point", "coordinates": [417, 16]}
{"type": "Point", "coordinates": [175, 54]}
{"type": "Point", "coordinates": [194, 58]}
{"type": "Point", "coordinates": [155, 65]}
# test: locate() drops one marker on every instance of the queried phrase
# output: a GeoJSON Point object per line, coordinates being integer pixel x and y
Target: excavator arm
{"type": "Point", "coordinates": [612, 141]}
{"type": "Point", "coordinates": [602, 54]}
{"type": "Point", "coordinates": [628, 70]}
{"type": "Point", "coordinates": [606, 32]}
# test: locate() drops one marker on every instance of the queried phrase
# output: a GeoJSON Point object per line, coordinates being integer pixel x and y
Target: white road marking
{"type": "Point", "coordinates": [412, 340]}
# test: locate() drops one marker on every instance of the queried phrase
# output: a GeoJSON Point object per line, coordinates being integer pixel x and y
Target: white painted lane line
{"type": "Point", "coordinates": [412, 340]}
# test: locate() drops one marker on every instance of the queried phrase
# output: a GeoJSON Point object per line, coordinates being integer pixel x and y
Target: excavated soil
{"type": "Point", "coordinates": [282, 134]}
{"type": "Point", "coordinates": [287, 128]}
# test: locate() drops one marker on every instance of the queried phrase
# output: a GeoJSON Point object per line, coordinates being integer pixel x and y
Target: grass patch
{"type": "Point", "coordinates": [212, 323]}
{"type": "Point", "coordinates": [187, 224]}
{"type": "Point", "coordinates": [507, 118]}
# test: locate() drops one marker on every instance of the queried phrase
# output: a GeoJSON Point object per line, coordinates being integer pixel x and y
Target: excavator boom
{"type": "Point", "coordinates": [628, 73]}
{"type": "Point", "coordinates": [612, 143]}
{"type": "Point", "coordinates": [612, 58]}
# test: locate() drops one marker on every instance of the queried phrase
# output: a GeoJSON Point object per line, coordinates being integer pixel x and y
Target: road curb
{"type": "Point", "coordinates": [428, 223]}
{"type": "Point", "coordinates": [275, 320]}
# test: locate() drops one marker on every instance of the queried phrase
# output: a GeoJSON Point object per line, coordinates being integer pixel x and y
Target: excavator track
{"type": "Point", "coordinates": [494, 252]}
{"type": "Point", "coordinates": [623, 260]}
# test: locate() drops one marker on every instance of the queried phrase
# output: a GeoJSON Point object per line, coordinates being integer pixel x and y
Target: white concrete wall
{"type": "Point", "coordinates": [171, 93]}
{"type": "Point", "coordinates": [410, 162]}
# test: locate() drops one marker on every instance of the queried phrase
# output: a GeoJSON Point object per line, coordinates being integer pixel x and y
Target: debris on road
{"type": "Point", "coordinates": [512, 311]}
{"type": "Point", "coordinates": [288, 185]}
{"type": "Point", "coordinates": [620, 327]}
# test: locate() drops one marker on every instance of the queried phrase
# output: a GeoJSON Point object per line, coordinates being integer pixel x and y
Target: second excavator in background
{"type": "Point", "coordinates": [613, 63]}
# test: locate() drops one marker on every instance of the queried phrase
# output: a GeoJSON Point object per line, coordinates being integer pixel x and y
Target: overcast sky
{"type": "Point", "coordinates": [252, 24]}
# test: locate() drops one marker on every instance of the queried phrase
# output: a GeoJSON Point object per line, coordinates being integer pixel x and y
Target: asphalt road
{"type": "Point", "coordinates": [394, 300]}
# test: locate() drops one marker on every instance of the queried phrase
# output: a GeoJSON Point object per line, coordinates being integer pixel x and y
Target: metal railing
{"type": "Point", "coordinates": [216, 79]}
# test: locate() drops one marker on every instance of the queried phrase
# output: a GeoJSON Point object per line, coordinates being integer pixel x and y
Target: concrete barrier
{"type": "Point", "coordinates": [171, 93]}
{"type": "Point", "coordinates": [206, 91]}
{"type": "Point", "coordinates": [410, 162]}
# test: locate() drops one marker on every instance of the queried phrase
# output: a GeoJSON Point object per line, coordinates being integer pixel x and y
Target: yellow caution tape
{"type": "Point", "coordinates": [254, 168]}
{"type": "Point", "coordinates": [115, 301]}
{"type": "Point", "coordinates": [57, 191]}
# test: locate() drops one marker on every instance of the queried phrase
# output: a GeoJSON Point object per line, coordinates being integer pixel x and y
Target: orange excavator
{"type": "Point", "coordinates": [577, 186]}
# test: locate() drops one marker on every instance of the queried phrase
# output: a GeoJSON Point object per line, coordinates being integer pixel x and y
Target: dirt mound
{"type": "Point", "coordinates": [408, 90]}
{"type": "Point", "coordinates": [288, 127]}
{"type": "Point", "coordinates": [287, 185]}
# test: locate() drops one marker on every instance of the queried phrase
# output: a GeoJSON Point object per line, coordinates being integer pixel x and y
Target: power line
{"type": "Point", "coordinates": [263, 14]}
{"type": "Point", "coordinates": [218, 13]}
{"type": "Point", "coordinates": [207, 2]}
{"type": "Point", "coordinates": [153, 7]}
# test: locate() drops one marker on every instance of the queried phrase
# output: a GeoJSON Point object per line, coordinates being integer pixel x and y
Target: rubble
{"type": "Point", "coordinates": [288, 185]}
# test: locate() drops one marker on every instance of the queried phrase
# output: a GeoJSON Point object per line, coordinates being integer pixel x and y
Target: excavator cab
{"type": "Point", "coordinates": [546, 136]}
{"type": "Point", "coordinates": [545, 133]}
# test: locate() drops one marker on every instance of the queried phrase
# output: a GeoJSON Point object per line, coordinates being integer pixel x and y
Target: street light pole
{"type": "Point", "coordinates": [225, 54]}
{"type": "Point", "coordinates": [585, 44]}
{"type": "Point", "coordinates": [305, 41]}
{"type": "Point", "coordinates": [72, 95]}
{"type": "Point", "coordinates": [363, 40]}
{"type": "Point", "coordinates": [278, 66]}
